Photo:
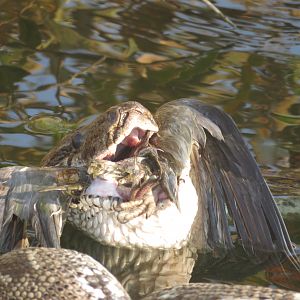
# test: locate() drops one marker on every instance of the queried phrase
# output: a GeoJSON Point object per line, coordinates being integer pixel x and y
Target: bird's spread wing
{"type": "Point", "coordinates": [31, 197]}
{"type": "Point", "coordinates": [227, 179]}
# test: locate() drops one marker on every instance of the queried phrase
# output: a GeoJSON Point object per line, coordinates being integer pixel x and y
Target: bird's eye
{"type": "Point", "coordinates": [77, 140]}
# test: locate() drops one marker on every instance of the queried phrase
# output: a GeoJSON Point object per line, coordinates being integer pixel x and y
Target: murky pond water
{"type": "Point", "coordinates": [61, 62]}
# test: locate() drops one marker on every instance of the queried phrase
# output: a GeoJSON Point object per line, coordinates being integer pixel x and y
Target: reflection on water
{"type": "Point", "coordinates": [62, 61]}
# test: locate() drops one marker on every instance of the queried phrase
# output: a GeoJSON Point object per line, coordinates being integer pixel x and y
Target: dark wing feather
{"type": "Point", "coordinates": [28, 198]}
{"type": "Point", "coordinates": [211, 229]}
{"type": "Point", "coordinates": [12, 227]}
{"type": "Point", "coordinates": [227, 178]}
{"type": "Point", "coordinates": [48, 219]}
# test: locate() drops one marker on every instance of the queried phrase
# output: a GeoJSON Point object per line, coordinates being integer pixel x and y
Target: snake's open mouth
{"type": "Point", "coordinates": [129, 144]}
{"type": "Point", "coordinates": [121, 178]}
{"type": "Point", "coordinates": [125, 145]}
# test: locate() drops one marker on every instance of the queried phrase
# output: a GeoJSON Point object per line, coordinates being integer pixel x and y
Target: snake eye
{"type": "Point", "coordinates": [77, 140]}
{"type": "Point", "coordinates": [112, 116]}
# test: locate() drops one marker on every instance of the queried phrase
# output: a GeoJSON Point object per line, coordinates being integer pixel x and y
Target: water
{"type": "Point", "coordinates": [62, 62]}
